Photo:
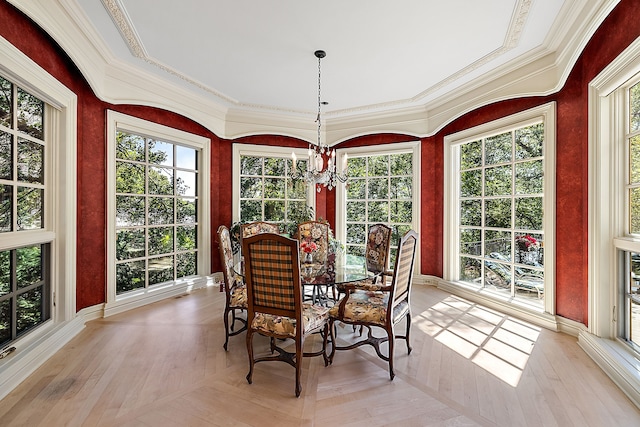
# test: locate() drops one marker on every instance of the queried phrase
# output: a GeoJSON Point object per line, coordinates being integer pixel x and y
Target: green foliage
{"type": "Point", "coordinates": [30, 114]}
{"type": "Point", "coordinates": [151, 191]}
{"type": "Point", "coordinates": [23, 281]}
{"type": "Point", "coordinates": [501, 191]}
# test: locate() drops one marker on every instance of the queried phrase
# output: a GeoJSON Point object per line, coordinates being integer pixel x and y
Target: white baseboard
{"type": "Point", "coordinates": [29, 356]}
{"type": "Point", "coordinates": [616, 360]}
{"type": "Point", "coordinates": [522, 311]}
{"type": "Point", "coordinates": [150, 296]}
{"type": "Point", "coordinates": [36, 348]}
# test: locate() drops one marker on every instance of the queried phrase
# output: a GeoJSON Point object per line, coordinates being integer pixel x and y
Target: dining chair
{"type": "Point", "coordinates": [257, 227]}
{"type": "Point", "coordinates": [376, 255]}
{"type": "Point", "coordinates": [314, 232]}
{"type": "Point", "coordinates": [234, 287]}
{"type": "Point", "coordinates": [275, 306]}
{"type": "Point", "coordinates": [381, 305]}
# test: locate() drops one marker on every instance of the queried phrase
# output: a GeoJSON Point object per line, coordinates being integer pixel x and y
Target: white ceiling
{"type": "Point", "coordinates": [257, 56]}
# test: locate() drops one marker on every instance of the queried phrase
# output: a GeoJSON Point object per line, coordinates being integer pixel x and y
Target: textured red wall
{"type": "Point", "coordinates": [91, 152]}
{"type": "Point", "coordinates": [616, 33]}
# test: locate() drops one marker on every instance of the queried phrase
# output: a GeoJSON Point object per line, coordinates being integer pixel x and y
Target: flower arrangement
{"type": "Point", "coordinates": [527, 243]}
{"type": "Point", "coordinates": [308, 246]}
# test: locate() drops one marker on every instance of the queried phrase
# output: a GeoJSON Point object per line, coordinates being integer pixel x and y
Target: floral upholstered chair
{"type": "Point", "coordinates": [257, 227]}
{"type": "Point", "coordinates": [377, 249]}
{"type": "Point", "coordinates": [381, 306]}
{"type": "Point", "coordinates": [376, 255]}
{"type": "Point", "coordinates": [314, 234]}
{"type": "Point", "coordinates": [275, 307]}
{"type": "Point", "coordinates": [234, 287]}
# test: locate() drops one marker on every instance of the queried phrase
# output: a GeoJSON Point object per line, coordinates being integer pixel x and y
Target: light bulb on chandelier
{"type": "Point", "coordinates": [316, 173]}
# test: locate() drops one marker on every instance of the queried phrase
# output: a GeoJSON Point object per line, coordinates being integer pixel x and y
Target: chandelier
{"type": "Point", "coordinates": [316, 174]}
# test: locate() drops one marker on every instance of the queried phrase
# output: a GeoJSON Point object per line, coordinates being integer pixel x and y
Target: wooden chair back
{"type": "Point", "coordinates": [272, 271]}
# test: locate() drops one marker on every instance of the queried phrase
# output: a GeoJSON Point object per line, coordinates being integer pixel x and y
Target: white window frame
{"type": "Point", "coordinates": [136, 298]}
{"type": "Point", "coordinates": [59, 220]}
{"type": "Point", "coordinates": [379, 150]}
{"type": "Point", "coordinates": [607, 221]}
{"type": "Point", "coordinates": [546, 114]}
{"type": "Point", "coordinates": [264, 151]}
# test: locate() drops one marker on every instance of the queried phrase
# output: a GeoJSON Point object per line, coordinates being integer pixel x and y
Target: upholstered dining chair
{"type": "Point", "coordinates": [257, 227]}
{"type": "Point", "coordinates": [376, 255]}
{"type": "Point", "coordinates": [314, 232]}
{"type": "Point", "coordinates": [234, 287]}
{"type": "Point", "coordinates": [275, 306]}
{"type": "Point", "coordinates": [380, 305]}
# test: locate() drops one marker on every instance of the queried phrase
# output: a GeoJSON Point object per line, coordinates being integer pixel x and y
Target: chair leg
{"type": "Point", "coordinates": [325, 338]}
{"type": "Point", "coordinates": [407, 333]}
{"type": "Point", "coordinates": [226, 328]}
{"type": "Point", "coordinates": [392, 339]}
{"type": "Point", "coordinates": [299, 345]}
{"type": "Point", "coordinates": [332, 331]}
{"type": "Point", "coordinates": [250, 354]}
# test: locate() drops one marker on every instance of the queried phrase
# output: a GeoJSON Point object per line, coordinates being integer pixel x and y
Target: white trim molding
{"type": "Point", "coordinates": [539, 72]}
{"type": "Point", "coordinates": [34, 348]}
{"type": "Point", "coordinates": [118, 121]}
{"type": "Point", "coordinates": [607, 223]}
{"type": "Point", "coordinates": [546, 114]}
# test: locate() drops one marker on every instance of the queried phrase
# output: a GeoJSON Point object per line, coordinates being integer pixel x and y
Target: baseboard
{"type": "Point", "coordinates": [616, 360]}
{"type": "Point", "coordinates": [30, 356]}
{"type": "Point", "coordinates": [148, 297]}
{"type": "Point", "coordinates": [521, 311]}
{"type": "Point", "coordinates": [37, 347]}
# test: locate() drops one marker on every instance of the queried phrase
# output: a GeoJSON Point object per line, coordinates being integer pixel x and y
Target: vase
{"type": "Point", "coordinates": [308, 258]}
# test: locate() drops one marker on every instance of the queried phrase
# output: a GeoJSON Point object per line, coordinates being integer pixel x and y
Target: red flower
{"type": "Point", "coordinates": [308, 247]}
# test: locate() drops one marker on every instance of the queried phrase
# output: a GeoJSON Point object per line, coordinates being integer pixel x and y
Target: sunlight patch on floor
{"type": "Point", "coordinates": [494, 341]}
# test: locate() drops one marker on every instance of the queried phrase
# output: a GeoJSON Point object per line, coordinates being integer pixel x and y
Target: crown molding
{"type": "Point", "coordinates": [539, 72]}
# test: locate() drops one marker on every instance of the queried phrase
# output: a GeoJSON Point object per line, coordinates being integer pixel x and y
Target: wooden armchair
{"type": "Point", "coordinates": [234, 287]}
{"type": "Point", "coordinates": [376, 255]}
{"type": "Point", "coordinates": [257, 227]}
{"type": "Point", "coordinates": [318, 233]}
{"type": "Point", "coordinates": [275, 307]}
{"type": "Point", "coordinates": [380, 305]}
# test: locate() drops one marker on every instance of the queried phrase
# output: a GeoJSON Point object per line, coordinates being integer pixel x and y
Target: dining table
{"type": "Point", "coordinates": [319, 278]}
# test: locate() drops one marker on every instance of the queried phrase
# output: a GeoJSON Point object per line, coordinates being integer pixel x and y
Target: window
{"type": "Point", "coordinates": [500, 207]}
{"type": "Point", "coordinates": [25, 286]}
{"type": "Point", "coordinates": [158, 217]}
{"type": "Point", "coordinates": [614, 240]}
{"type": "Point", "coordinates": [627, 242]}
{"type": "Point", "coordinates": [38, 124]}
{"type": "Point", "coordinates": [265, 192]}
{"type": "Point", "coordinates": [382, 188]}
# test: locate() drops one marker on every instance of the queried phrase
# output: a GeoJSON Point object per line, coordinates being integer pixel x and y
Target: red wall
{"type": "Point", "coordinates": [615, 34]}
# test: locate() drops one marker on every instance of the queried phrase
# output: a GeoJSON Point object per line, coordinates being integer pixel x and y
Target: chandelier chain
{"type": "Point", "coordinates": [320, 145]}
{"type": "Point", "coordinates": [316, 173]}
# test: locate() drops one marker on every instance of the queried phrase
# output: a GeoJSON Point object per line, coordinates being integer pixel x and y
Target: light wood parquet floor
{"type": "Point", "coordinates": [164, 365]}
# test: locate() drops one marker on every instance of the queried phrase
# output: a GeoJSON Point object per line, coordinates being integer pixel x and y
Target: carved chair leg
{"type": "Point", "coordinates": [332, 331]}
{"type": "Point", "coordinates": [325, 338]}
{"type": "Point", "coordinates": [226, 329]}
{"type": "Point", "coordinates": [299, 345]}
{"type": "Point", "coordinates": [408, 330]}
{"type": "Point", "coordinates": [391, 345]}
{"type": "Point", "coordinates": [250, 354]}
